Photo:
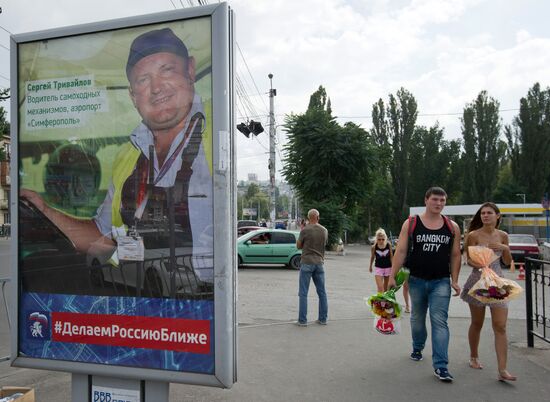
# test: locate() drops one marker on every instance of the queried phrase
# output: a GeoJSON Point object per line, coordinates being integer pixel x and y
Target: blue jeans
{"type": "Point", "coordinates": [435, 295]}
{"type": "Point", "coordinates": [317, 273]}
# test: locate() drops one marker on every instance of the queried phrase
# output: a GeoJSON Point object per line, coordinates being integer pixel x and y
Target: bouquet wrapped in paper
{"type": "Point", "coordinates": [491, 288]}
{"type": "Point", "coordinates": [384, 305]}
{"type": "Point", "coordinates": [386, 326]}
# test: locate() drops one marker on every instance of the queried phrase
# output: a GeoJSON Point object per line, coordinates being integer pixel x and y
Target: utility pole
{"type": "Point", "coordinates": [272, 94]}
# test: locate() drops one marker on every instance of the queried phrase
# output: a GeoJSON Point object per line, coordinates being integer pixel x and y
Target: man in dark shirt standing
{"type": "Point", "coordinates": [312, 241]}
{"type": "Point", "coordinates": [435, 255]}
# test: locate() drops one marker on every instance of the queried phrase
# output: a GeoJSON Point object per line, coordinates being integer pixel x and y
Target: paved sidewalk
{"type": "Point", "coordinates": [343, 361]}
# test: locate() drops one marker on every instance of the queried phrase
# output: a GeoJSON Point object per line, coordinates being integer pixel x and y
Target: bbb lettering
{"type": "Point", "coordinates": [102, 396]}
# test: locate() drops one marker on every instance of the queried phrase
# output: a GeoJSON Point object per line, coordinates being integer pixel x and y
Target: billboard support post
{"type": "Point", "coordinates": [85, 388]}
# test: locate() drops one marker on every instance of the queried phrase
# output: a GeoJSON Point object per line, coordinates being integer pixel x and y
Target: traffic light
{"type": "Point", "coordinates": [254, 127]}
{"type": "Point", "coordinates": [243, 128]}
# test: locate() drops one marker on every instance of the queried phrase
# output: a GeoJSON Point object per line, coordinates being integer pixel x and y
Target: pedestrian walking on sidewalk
{"type": "Point", "coordinates": [312, 240]}
{"type": "Point", "coordinates": [381, 254]}
{"type": "Point", "coordinates": [483, 231]}
{"type": "Point", "coordinates": [430, 244]}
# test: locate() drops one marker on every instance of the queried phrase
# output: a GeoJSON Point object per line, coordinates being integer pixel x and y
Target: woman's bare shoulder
{"type": "Point", "coordinates": [503, 235]}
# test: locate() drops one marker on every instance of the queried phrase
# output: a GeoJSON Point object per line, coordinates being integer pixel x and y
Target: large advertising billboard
{"type": "Point", "coordinates": [117, 166]}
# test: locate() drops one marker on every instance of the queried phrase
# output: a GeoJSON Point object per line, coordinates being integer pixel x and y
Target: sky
{"type": "Point", "coordinates": [443, 51]}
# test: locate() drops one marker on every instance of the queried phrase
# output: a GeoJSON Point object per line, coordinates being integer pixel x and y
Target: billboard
{"type": "Point", "coordinates": [124, 182]}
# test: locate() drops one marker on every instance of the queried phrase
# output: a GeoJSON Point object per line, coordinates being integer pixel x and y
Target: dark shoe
{"type": "Point", "coordinates": [300, 324]}
{"type": "Point", "coordinates": [321, 322]}
{"type": "Point", "coordinates": [416, 355]}
{"type": "Point", "coordinates": [443, 374]}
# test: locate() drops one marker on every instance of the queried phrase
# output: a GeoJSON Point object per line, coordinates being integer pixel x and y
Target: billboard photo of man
{"type": "Point", "coordinates": [160, 193]}
{"type": "Point", "coordinates": [115, 183]}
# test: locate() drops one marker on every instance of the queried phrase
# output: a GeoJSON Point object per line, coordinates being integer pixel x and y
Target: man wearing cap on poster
{"type": "Point", "coordinates": [165, 156]}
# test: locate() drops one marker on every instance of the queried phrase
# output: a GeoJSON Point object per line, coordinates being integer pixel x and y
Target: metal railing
{"type": "Point", "coordinates": [537, 300]}
{"type": "Point", "coordinates": [3, 282]}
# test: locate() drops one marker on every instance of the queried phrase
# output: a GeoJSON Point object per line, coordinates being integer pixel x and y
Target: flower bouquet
{"type": "Point", "coordinates": [490, 288]}
{"type": "Point", "coordinates": [385, 307]}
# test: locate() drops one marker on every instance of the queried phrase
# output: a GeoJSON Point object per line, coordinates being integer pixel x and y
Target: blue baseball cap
{"type": "Point", "coordinates": [156, 41]}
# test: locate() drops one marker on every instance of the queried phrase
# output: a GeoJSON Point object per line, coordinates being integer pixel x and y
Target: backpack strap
{"type": "Point", "coordinates": [449, 225]}
{"type": "Point", "coordinates": [412, 225]}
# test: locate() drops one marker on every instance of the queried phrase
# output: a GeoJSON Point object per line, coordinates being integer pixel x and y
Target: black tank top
{"type": "Point", "coordinates": [382, 256]}
{"type": "Point", "coordinates": [431, 254]}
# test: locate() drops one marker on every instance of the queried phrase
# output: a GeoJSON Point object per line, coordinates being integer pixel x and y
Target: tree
{"type": "Point", "coordinates": [507, 188]}
{"type": "Point", "coordinates": [433, 162]}
{"type": "Point", "coordinates": [529, 143]}
{"type": "Point", "coordinates": [252, 190]}
{"type": "Point", "coordinates": [393, 128]}
{"type": "Point", "coordinates": [402, 120]}
{"type": "Point", "coordinates": [4, 123]}
{"type": "Point", "coordinates": [380, 199]}
{"type": "Point", "coordinates": [4, 94]}
{"type": "Point", "coordinates": [327, 164]}
{"type": "Point", "coordinates": [484, 152]}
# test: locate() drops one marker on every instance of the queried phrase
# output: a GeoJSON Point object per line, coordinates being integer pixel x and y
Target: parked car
{"type": "Point", "coordinates": [269, 246]}
{"type": "Point", "coordinates": [523, 246]}
{"type": "Point", "coordinates": [48, 260]}
{"type": "Point", "coordinates": [242, 223]}
{"type": "Point", "coordinates": [245, 229]}
{"type": "Point", "coordinates": [372, 240]}
{"type": "Point", "coordinates": [280, 224]}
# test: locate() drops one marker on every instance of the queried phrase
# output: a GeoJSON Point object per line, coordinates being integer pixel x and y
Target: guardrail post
{"type": "Point", "coordinates": [529, 303]}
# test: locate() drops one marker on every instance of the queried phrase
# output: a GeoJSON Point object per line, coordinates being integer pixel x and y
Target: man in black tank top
{"type": "Point", "coordinates": [430, 244]}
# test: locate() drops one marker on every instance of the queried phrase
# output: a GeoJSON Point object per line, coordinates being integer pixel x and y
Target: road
{"type": "Point", "coordinates": [344, 361]}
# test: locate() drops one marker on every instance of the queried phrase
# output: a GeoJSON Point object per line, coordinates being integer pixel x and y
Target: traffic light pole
{"type": "Point", "coordinates": [272, 94]}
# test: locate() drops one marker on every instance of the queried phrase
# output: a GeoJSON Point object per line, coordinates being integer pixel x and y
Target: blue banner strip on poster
{"type": "Point", "coordinates": [35, 330]}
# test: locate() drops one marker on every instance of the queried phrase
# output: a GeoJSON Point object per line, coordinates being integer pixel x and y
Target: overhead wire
{"type": "Point", "coordinates": [248, 69]}
{"type": "Point", "coordinates": [1, 27]}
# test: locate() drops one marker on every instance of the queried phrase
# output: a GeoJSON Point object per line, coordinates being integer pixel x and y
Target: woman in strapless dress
{"type": "Point", "coordinates": [483, 231]}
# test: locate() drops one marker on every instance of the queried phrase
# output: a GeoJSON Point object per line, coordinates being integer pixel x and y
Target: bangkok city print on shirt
{"type": "Point", "coordinates": [432, 242]}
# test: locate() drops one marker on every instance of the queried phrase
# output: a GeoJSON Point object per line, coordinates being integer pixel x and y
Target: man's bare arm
{"type": "Point", "coordinates": [82, 232]}
{"type": "Point", "coordinates": [400, 253]}
{"type": "Point", "coordinates": [456, 259]}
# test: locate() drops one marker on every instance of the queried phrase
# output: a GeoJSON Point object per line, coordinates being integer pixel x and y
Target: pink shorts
{"type": "Point", "coordinates": [382, 271]}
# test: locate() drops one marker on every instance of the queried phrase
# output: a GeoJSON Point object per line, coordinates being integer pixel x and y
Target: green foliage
{"type": "Point", "coordinates": [402, 120]}
{"type": "Point", "coordinates": [529, 143]}
{"type": "Point", "coordinates": [252, 190]}
{"type": "Point", "coordinates": [507, 188]}
{"type": "Point", "coordinates": [484, 151]}
{"type": "Point", "coordinates": [4, 123]}
{"type": "Point", "coordinates": [393, 129]}
{"type": "Point", "coordinates": [253, 198]}
{"type": "Point", "coordinates": [331, 217]}
{"type": "Point", "coordinates": [4, 94]}
{"type": "Point", "coordinates": [328, 164]}
{"type": "Point", "coordinates": [433, 162]}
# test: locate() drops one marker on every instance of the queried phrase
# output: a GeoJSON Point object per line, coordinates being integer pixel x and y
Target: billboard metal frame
{"type": "Point", "coordinates": [225, 325]}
